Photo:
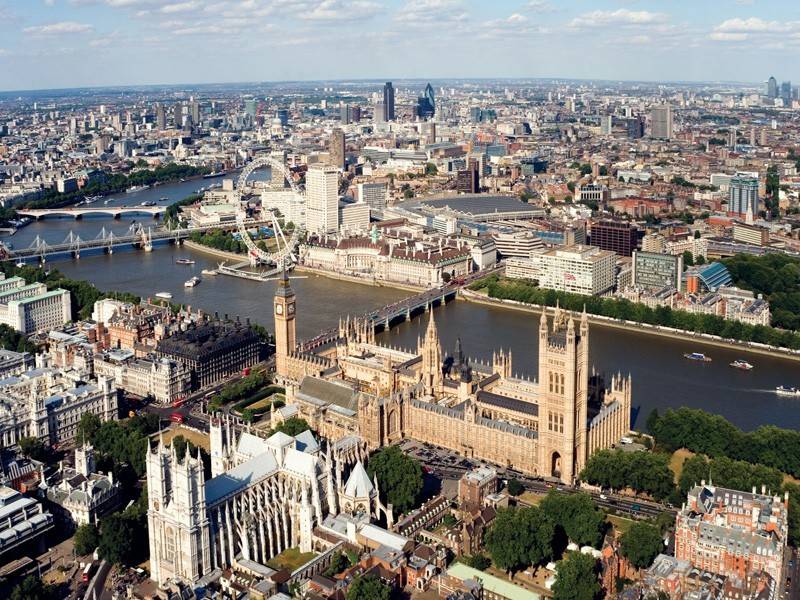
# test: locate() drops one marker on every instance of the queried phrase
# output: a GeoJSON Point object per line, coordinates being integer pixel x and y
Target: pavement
{"type": "Point", "coordinates": [447, 464]}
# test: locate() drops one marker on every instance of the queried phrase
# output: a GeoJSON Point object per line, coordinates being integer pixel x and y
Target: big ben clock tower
{"type": "Point", "coordinates": [285, 337]}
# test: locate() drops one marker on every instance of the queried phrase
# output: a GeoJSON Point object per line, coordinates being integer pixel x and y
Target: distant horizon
{"type": "Point", "coordinates": [79, 44]}
{"type": "Point", "coordinates": [381, 80]}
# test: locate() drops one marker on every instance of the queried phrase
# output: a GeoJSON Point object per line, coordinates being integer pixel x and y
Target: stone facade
{"type": "Point", "coordinates": [546, 428]}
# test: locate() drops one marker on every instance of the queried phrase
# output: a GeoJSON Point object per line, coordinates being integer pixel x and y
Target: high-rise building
{"type": "Point", "coordinates": [616, 236]}
{"type": "Point", "coordinates": [336, 149]}
{"type": "Point", "coordinates": [373, 194]}
{"type": "Point", "coordinates": [635, 127]}
{"type": "Point", "coordinates": [344, 113]}
{"type": "Point", "coordinates": [177, 115]}
{"type": "Point", "coordinates": [772, 88]}
{"type": "Point", "coordinates": [388, 101]}
{"type": "Point", "coordinates": [426, 104]}
{"type": "Point", "coordinates": [468, 181]}
{"type": "Point", "coordinates": [606, 123]}
{"type": "Point", "coordinates": [322, 199]}
{"type": "Point", "coordinates": [379, 113]}
{"type": "Point", "coordinates": [194, 109]}
{"type": "Point", "coordinates": [786, 91]}
{"type": "Point", "coordinates": [283, 116]}
{"type": "Point", "coordinates": [661, 122]}
{"type": "Point", "coordinates": [251, 107]}
{"type": "Point", "coordinates": [161, 117]}
{"type": "Point", "coordinates": [743, 195]}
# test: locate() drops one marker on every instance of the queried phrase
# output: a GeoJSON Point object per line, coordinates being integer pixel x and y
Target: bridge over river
{"type": "Point", "coordinates": [77, 212]}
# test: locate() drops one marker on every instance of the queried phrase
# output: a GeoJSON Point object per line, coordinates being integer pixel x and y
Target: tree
{"type": "Point", "coordinates": [32, 588]}
{"type": "Point", "coordinates": [87, 427]}
{"type": "Point", "coordinates": [688, 258]}
{"type": "Point", "coordinates": [519, 538]}
{"type": "Point", "coordinates": [368, 587]}
{"type": "Point", "coordinates": [117, 539]}
{"type": "Point", "coordinates": [515, 488]}
{"type": "Point", "coordinates": [86, 539]}
{"type": "Point", "coordinates": [292, 426]}
{"type": "Point", "coordinates": [652, 420]}
{"type": "Point", "coordinates": [576, 578]}
{"type": "Point", "coordinates": [479, 561]}
{"type": "Point", "coordinates": [33, 448]}
{"type": "Point", "coordinates": [577, 515]}
{"type": "Point", "coordinates": [641, 544]}
{"type": "Point", "coordinates": [339, 562]}
{"type": "Point", "coordinates": [399, 477]}
{"type": "Point", "coordinates": [430, 169]}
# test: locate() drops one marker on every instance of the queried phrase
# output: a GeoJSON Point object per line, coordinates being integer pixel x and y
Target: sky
{"type": "Point", "coordinates": [80, 43]}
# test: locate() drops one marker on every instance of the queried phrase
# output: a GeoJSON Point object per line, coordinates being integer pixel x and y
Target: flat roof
{"type": "Point", "coordinates": [479, 204]}
{"type": "Point", "coordinates": [491, 583]}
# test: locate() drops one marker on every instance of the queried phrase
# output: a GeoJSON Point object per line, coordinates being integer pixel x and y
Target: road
{"type": "Point", "coordinates": [791, 575]}
{"type": "Point", "coordinates": [450, 465]}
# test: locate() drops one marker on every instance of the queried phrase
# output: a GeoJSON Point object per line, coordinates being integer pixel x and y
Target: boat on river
{"type": "Point", "coordinates": [742, 365]}
{"type": "Point", "coordinates": [208, 272]}
{"type": "Point", "coordinates": [191, 282]}
{"type": "Point", "coordinates": [697, 356]}
{"type": "Point", "coordinates": [787, 391]}
{"type": "Point", "coordinates": [164, 295]}
{"type": "Point", "coordinates": [184, 261]}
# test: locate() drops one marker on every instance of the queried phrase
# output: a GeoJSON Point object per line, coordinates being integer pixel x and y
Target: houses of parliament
{"type": "Point", "coordinates": [543, 428]}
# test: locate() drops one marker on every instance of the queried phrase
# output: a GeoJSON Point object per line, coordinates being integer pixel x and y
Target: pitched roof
{"type": "Point", "coordinates": [358, 484]}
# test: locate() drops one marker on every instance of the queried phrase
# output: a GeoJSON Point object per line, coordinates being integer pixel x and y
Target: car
{"type": "Point", "coordinates": [603, 497]}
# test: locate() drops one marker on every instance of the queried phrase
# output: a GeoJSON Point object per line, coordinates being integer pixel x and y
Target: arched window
{"type": "Point", "coordinates": [169, 545]}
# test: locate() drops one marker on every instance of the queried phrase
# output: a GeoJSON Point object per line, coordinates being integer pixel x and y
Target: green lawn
{"type": "Point", "coordinates": [264, 403]}
{"type": "Point", "coordinates": [621, 524]}
{"type": "Point", "coordinates": [290, 559]}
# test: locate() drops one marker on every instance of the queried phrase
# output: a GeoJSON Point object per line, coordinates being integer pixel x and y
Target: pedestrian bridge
{"type": "Point", "coordinates": [77, 212]}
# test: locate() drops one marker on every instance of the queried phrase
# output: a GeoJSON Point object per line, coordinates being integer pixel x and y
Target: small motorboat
{"type": "Point", "coordinates": [191, 282]}
{"type": "Point", "coordinates": [209, 272]}
{"type": "Point", "coordinates": [164, 295]}
{"type": "Point", "coordinates": [787, 391]}
{"type": "Point", "coordinates": [742, 365]}
{"type": "Point", "coordinates": [184, 261]}
{"type": "Point", "coordinates": [697, 356]}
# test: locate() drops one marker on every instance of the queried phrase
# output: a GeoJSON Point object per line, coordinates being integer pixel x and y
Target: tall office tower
{"type": "Point", "coordinates": [786, 91]}
{"type": "Point", "coordinates": [177, 115]}
{"type": "Point", "coordinates": [355, 114]}
{"type": "Point", "coordinates": [161, 116]}
{"type": "Point", "coordinates": [379, 113]}
{"type": "Point", "coordinates": [322, 199]}
{"type": "Point", "coordinates": [283, 116]}
{"type": "Point", "coordinates": [606, 123]}
{"type": "Point", "coordinates": [635, 127]}
{"type": "Point", "coordinates": [743, 195]}
{"type": "Point", "coordinates": [344, 113]}
{"type": "Point", "coordinates": [388, 101]}
{"type": "Point", "coordinates": [194, 107]}
{"type": "Point", "coordinates": [615, 236]}
{"type": "Point", "coordinates": [336, 149]}
{"type": "Point", "coordinates": [251, 107]}
{"type": "Point", "coordinates": [426, 104]}
{"type": "Point", "coordinates": [468, 181]}
{"type": "Point", "coordinates": [661, 122]}
{"type": "Point", "coordinates": [374, 195]}
{"type": "Point", "coordinates": [772, 88]}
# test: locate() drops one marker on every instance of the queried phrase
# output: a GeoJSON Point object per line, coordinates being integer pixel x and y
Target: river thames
{"type": "Point", "coordinates": [662, 378]}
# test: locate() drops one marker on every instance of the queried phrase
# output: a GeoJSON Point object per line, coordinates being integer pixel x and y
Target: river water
{"type": "Point", "coordinates": [662, 378]}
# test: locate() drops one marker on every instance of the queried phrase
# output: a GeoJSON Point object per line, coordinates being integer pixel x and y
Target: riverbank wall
{"type": "Point", "coordinates": [676, 334]}
{"type": "Point", "coordinates": [223, 254]}
{"type": "Point", "coordinates": [362, 280]}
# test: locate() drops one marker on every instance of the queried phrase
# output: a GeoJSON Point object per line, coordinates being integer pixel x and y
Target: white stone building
{"type": "Point", "coordinates": [163, 379]}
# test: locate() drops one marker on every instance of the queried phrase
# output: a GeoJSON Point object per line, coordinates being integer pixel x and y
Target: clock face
{"type": "Point", "coordinates": [279, 309]}
{"type": "Point", "coordinates": [291, 308]}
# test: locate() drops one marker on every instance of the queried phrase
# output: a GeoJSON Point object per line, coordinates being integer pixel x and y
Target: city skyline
{"type": "Point", "coordinates": [51, 44]}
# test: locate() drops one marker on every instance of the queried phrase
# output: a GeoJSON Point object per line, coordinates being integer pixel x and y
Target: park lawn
{"type": "Point", "coordinates": [677, 460]}
{"type": "Point", "coordinates": [264, 403]}
{"type": "Point", "coordinates": [290, 559]}
{"type": "Point", "coordinates": [621, 524]}
{"type": "Point", "coordinates": [197, 438]}
{"type": "Point", "coordinates": [530, 498]}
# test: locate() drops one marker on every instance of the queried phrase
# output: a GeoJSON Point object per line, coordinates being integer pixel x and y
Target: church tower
{"type": "Point", "coordinates": [285, 336]}
{"type": "Point", "coordinates": [431, 352]}
{"type": "Point", "coordinates": [563, 395]}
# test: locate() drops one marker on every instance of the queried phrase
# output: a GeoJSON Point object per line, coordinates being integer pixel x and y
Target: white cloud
{"type": "Point", "coordinates": [340, 10]}
{"type": "Point", "coordinates": [426, 13]}
{"type": "Point", "coordinates": [755, 25]}
{"type": "Point", "coordinates": [540, 6]}
{"type": "Point", "coordinates": [722, 36]}
{"type": "Point", "coordinates": [621, 17]}
{"type": "Point", "coordinates": [63, 27]}
{"type": "Point", "coordinates": [180, 7]}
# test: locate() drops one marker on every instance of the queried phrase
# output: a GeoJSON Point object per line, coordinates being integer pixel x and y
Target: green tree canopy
{"type": "Point", "coordinates": [641, 544]}
{"type": "Point", "coordinates": [33, 448]}
{"type": "Point", "coordinates": [576, 578]}
{"type": "Point", "coordinates": [32, 588]}
{"type": "Point", "coordinates": [86, 539]}
{"type": "Point", "coordinates": [292, 426]}
{"type": "Point", "coordinates": [515, 488]}
{"type": "Point", "coordinates": [368, 587]}
{"type": "Point", "coordinates": [399, 477]}
{"type": "Point", "coordinates": [577, 515]}
{"type": "Point", "coordinates": [520, 537]}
